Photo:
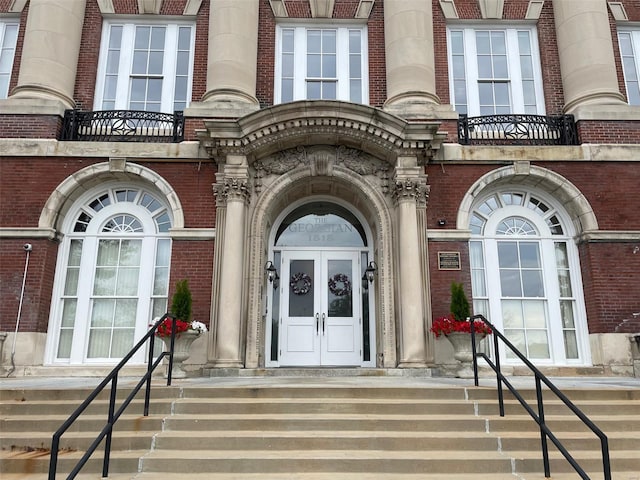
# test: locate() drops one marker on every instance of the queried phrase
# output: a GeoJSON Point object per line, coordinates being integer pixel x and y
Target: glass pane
{"type": "Point", "coordinates": [128, 281]}
{"type": "Point", "coordinates": [314, 66]}
{"type": "Point", "coordinates": [339, 293]}
{"type": "Point", "coordinates": [184, 38]}
{"type": "Point", "coordinates": [287, 91]}
{"type": "Point", "coordinates": [630, 69]}
{"type": "Point", "coordinates": [161, 281]}
{"type": "Point", "coordinates": [484, 67]}
{"type": "Point", "coordinates": [110, 84]}
{"type": "Point", "coordinates": [512, 314]}
{"type": "Point", "coordinates": [354, 42]}
{"type": "Point", "coordinates": [122, 342]}
{"type": "Point", "coordinates": [532, 283]}
{"type": "Point", "coordinates": [329, 66]}
{"type": "Point", "coordinates": [125, 313]}
{"type": "Point", "coordinates": [500, 69]}
{"type": "Point", "coordinates": [355, 63]}
{"type": "Point", "coordinates": [516, 337]}
{"type": "Point", "coordinates": [458, 67]}
{"type": "Point", "coordinates": [570, 344]}
{"type": "Point", "coordinates": [157, 38]}
{"type": "Point", "coordinates": [524, 44]}
{"type": "Point", "coordinates": [457, 45]}
{"type": "Point", "coordinates": [99, 344]}
{"type": "Point", "coordinates": [154, 94]}
{"type": "Point", "coordinates": [71, 282]}
{"type": "Point", "coordinates": [502, 94]}
{"type": "Point", "coordinates": [138, 90]}
{"type": "Point", "coordinates": [526, 67]}
{"type": "Point", "coordinates": [529, 92]}
{"type": "Point", "coordinates": [102, 314]}
{"type": "Point", "coordinates": [287, 40]}
{"type": "Point", "coordinates": [313, 91]}
{"type": "Point", "coordinates": [64, 344]}
{"type": "Point", "coordinates": [534, 315]}
{"type": "Point", "coordinates": [476, 257]}
{"type": "Point", "coordinates": [566, 311]}
{"type": "Point", "coordinates": [477, 283]}
{"type": "Point", "coordinates": [510, 283]}
{"type": "Point", "coordinates": [529, 255]}
{"type": "Point", "coordinates": [329, 41]}
{"type": "Point", "coordinates": [329, 90]}
{"type": "Point", "coordinates": [313, 41]}
{"type": "Point", "coordinates": [460, 91]}
{"type": "Point", "coordinates": [287, 65]}
{"type": "Point", "coordinates": [163, 254]}
{"type": "Point", "coordinates": [131, 252]}
{"type": "Point", "coordinates": [104, 281]}
{"type": "Point", "coordinates": [301, 285]}
{"type": "Point", "coordinates": [69, 312]}
{"type": "Point", "coordinates": [142, 38]}
{"type": "Point", "coordinates": [485, 90]}
{"type": "Point", "coordinates": [508, 255]}
{"type": "Point", "coordinates": [483, 45]}
{"type": "Point", "coordinates": [155, 63]}
{"type": "Point", "coordinates": [115, 37]}
{"type": "Point", "coordinates": [538, 344]}
{"type": "Point", "coordinates": [181, 89]}
{"type": "Point", "coordinates": [113, 61]}
{"type": "Point", "coordinates": [565, 283]}
{"type": "Point", "coordinates": [140, 60]}
{"type": "Point", "coordinates": [355, 93]}
{"type": "Point", "coordinates": [498, 43]}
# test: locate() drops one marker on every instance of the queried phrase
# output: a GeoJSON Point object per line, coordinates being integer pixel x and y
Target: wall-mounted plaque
{"type": "Point", "coordinates": [448, 260]}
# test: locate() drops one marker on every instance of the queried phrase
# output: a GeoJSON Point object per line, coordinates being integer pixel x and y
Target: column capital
{"type": "Point", "coordinates": [411, 189]}
{"type": "Point", "coordinates": [231, 189]}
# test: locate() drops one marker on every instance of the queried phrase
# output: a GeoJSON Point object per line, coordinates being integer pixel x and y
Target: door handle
{"type": "Point", "coordinates": [317, 323]}
{"type": "Point", "coordinates": [322, 323]}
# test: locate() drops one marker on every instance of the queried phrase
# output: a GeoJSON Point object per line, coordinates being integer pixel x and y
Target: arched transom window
{"type": "Point", "coordinates": [112, 277]}
{"type": "Point", "coordinates": [526, 276]}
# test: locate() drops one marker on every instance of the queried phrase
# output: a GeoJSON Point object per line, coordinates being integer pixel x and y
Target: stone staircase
{"type": "Point", "coordinates": [319, 429]}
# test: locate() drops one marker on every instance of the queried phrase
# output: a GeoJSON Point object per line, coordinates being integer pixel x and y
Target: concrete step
{"type": "Point", "coordinates": [86, 423]}
{"type": "Point", "coordinates": [356, 461]}
{"type": "Point", "coordinates": [37, 461]}
{"type": "Point", "coordinates": [67, 407]}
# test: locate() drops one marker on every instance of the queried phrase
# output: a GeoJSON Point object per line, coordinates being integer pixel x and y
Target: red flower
{"type": "Point", "coordinates": [164, 329]}
{"type": "Point", "coordinates": [448, 324]}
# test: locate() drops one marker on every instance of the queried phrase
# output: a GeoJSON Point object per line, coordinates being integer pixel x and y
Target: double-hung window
{"type": "Point", "coordinates": [629, 40]}
{"type": "Point", "coordinates": [321, 63]}
{"type": "Point", "coordinates": [8, 40]}
{"type": "Point", "coordinates": [495, 71]}
{"type": "Point", "coordinates": [145, 66]}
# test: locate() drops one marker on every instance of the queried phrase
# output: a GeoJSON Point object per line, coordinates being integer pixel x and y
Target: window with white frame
{"type": "Point", "coordinates": [145, 66]}
{"type": "Point", "coordinates": [113, 275]}
{"type": "Point", "coordinates": [8, 41]}
{"type": "Point", "coordinates": [321, 63]}
{"type": "Point", "coordinates": [629, 41]}
{"type": "Point", "coordinates": [495, 71]}
{"type": "Point", "coordinates": [526, 276]}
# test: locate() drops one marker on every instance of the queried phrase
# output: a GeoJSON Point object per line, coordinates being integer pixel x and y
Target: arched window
{"type": "Point", "coordinates": [112, 277]}
{"type": "Point", "coordinates": [526, 276]}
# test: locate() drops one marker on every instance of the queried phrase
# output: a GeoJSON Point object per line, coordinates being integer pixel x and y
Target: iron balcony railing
{"type": "Point", "coordinates": [112, 414]}
{"type": "Point", "coordinates": [122, 126]}
{"type": "Point", "coordinates": [517, 130]}
{"type": "Point", "coordinates": [538, 417]}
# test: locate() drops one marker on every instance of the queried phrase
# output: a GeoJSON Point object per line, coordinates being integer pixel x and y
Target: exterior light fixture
{"type": "Point", "coordinates": [272, 274]}
{"type": "Point", "coordinates": [369, 274]}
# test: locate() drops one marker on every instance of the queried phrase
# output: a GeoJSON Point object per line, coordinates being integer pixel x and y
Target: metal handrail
{"type": "Point", "coordinates": [113, 415]}
{"type": "Point", "coordinates": [539, 417]}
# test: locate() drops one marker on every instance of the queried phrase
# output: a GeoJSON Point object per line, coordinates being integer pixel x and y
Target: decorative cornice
{"type": "Point", "coordinates": [321, 122]}
{"type": "Point", "coordinates": [609, 236]}
{"type": "Point", "coordinates": [449, 9]}
{"type": "Point", "coordinates": [321, 8]}
{"type": "Point", "coordinates": [364, 8]}
{"type": "Point", "coordinates": [149, 6]}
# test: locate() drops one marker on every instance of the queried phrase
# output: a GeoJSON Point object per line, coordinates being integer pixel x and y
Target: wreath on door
{"type": "Point", "coordinates": [345, 289]}
{"type": "Point", "coordinates": [300, 283]}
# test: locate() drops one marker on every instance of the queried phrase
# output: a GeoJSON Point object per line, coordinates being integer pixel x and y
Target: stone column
{"type": "Point", "coordinates": [50, 52]}
{"type": "Point", "coordinates": [586, 53]}
{"type": "Point", "coordinates": [408, 31]}
{"type": "Point", "coordinates": [229, 328]}
{"type": "Point", "coordinates": [233, 52]}
{"type": "Point", "coordinates": [409, 187]}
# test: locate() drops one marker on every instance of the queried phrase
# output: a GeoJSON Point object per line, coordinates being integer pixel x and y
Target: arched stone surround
{"type": "Point", "coordinates": [569, 196]}
{"type": "Point", "coordinates": [370, 159]}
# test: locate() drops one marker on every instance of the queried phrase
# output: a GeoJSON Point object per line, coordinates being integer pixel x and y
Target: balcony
{"type": "Point", "coordinates": [122, 126]}
{"type": "Point", "coordinates": [517, 130]}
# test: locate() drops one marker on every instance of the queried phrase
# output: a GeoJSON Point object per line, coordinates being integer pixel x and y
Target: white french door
{"type": "Point", "coordinates": [321, 320]}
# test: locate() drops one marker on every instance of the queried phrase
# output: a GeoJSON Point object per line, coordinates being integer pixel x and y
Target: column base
{"type": "Point", "coordinates": [412, 364]}
{"type": "Point", "coordinates": [224, 364]}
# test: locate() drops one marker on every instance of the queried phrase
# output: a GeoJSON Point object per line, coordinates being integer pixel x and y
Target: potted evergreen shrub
{"type": "Point", "coordinates": [456, 327]}
{"type": "Point", "coordinates": [187, 330]}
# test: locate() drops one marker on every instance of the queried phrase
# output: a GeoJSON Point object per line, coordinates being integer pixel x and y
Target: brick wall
{"type": "Point", "coordinates": [441, 279]}
{"type": "Point", "coordinates": [34, 316]}
{"type": "Point", "coordinates": [30, 126]}
{"type": "Point", "coordinates": [611, 287]}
